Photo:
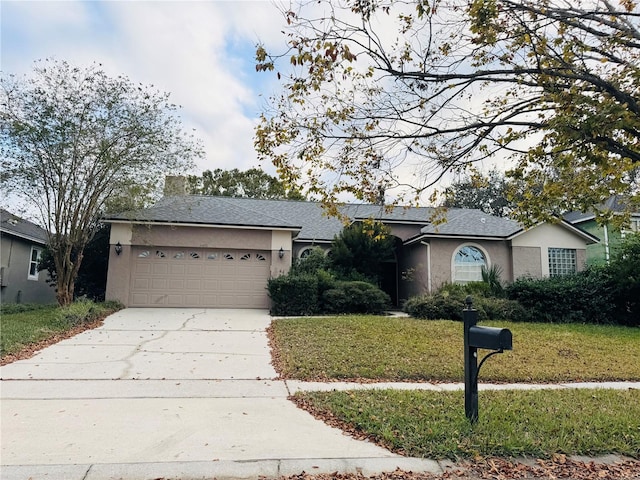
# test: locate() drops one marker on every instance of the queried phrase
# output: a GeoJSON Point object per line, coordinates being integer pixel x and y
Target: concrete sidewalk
{"type": "Point", "coordinates": [173, 393]}
{"type": "Point", "coordinates": [177, 393]}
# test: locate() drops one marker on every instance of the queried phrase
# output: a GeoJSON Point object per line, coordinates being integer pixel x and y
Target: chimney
{"type": "Point", "coordinates": [175, 185]}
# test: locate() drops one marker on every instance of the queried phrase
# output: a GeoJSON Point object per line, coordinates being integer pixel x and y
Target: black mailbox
{"type": "Point", "coordinates": [490, 338]}
{"type": "Point", "coordinates": [475, 337]}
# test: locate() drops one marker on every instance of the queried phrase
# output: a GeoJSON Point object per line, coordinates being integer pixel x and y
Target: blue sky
{"type": "Point", "coordinates": [202, 52]}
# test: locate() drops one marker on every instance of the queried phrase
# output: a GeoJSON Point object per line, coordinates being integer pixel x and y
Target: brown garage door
{"type": "Point", "coordinates": [188, 277]}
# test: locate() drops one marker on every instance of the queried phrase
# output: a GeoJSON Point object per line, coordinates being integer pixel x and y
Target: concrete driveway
{"type": "Point", "coordinates": [173, 393]}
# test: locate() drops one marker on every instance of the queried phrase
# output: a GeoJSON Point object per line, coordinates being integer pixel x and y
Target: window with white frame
{"type": "Point", "coordinates": [562, 261]}
{"type": "Point", "coordinates": [34, 259]}
{"type": "Point", "coordinates": [467, 264]}
{"type": "Point", "coordinates": [632, 227]}
{"type": "Point", "coordinates": [305, 252]}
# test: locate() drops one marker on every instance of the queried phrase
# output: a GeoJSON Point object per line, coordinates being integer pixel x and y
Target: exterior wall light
{"type": "Point", "coordinates": [118, 248]}
{"type": "Point", "coordinates": [281, 252]}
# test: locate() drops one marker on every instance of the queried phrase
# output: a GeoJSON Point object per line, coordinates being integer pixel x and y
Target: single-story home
{"type": "Point", "coordinates": [21, 245]}
{"type": "Point", "coordinates": [201, 251]}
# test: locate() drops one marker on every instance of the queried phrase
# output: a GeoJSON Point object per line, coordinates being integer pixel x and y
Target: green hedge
{"type": "Point", "coordinates": [294, 295]}
{"type": "Point", "coordinates": [320, 293]}
{"type": "Point", "coordinates": [585, 297]}
{"type": "Point", "coordinates": [355, 297]}
{"type": "Point", "coordinates": [447, 305]}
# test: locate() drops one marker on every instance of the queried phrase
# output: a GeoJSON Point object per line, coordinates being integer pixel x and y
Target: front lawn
{"type": "Point", "coordinates": [512, 423]}
{"type": "Point", "coordinates": [26, 330]}
{"type": "Point", "coordinates": [405, 349]}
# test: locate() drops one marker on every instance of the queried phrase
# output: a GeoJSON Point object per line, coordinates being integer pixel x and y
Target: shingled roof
{"type": "Point", "coordinates": [309, 218]}
{"type": "Point", "coordinates": [463, 222]}
{"type": "Point", "coordinates": [11, 224]}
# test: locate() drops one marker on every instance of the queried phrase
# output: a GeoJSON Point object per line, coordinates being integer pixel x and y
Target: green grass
{"type": "Point", "coordinates": [405, 349]}
{"type": "Point", "coordinates": [21, 328]}
{"type": "Point", "coordinates": [18, 330]}
{"type": "Point", "coordinates": [512, 423]}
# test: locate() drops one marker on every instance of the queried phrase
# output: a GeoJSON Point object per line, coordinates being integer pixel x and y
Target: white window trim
{"type": "Point", "coordinates": [461, 246]}
{"type": "Point", "coordinates": [308, 249]}
{"type": "Point", "coordinates": [38, 251]}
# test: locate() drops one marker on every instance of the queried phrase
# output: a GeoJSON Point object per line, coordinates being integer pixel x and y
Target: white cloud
{"type": "Point", "coordinates": [200, 52]}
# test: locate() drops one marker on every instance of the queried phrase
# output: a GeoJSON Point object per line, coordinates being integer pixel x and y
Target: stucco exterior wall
{"type": "Point", "coordinates": [547, 236]}
{"type": "Point", "coordinates": [119, 274]}
{"type": "Point", "coordinates": [404, 232]}
{"type": "Point", "coordinates": [413, 265]}
{"type": "Point", "coordinates": [443, 250]}
{"type": "Point", "coordinates": [15, 256]}
{"type": "Point", "coordinates": [527, 262]}
{"type": "Point", "coordinates": [179, 236]}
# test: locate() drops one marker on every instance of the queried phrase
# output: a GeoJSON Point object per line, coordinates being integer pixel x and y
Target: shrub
{"type": "Point", "coordinates": [311, 264]}
{"type": "Point", "coordinates": [502, 309]}
{"type": "Point", "coordinates": [440, 305]}
{"type": "Point", "coordinates": [624, 273]}
{"type": "Point", "coordinates": [84, 310]}
{"type": "Point", "coordinates": [584, 297]}
{"type": "Point", "coordinates": [475, 289]}
{"type": "Point", "coordinates": [492, 278]}
{"type": "Point", "coordinates": [294, 295]}
{"type": "Point", "coordinates": [355, 297]}
{"type": "Point", "coordinates": [448, 305]}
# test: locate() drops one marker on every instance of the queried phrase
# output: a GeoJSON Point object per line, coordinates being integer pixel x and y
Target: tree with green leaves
{"type": "Point", "coordinates": [72, 139]}
{"type": "Point", "coordinates": [388, 96]}
{"type": "Point", "coordinates": [252, 183]}
{"type": "Point", "coordinates": [361, 249]}
{"type": "Point", "coordinates": [492, 193]}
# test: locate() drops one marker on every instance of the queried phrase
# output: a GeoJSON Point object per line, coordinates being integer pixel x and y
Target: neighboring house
{"type": "Point", "coordinates": [197, 251]}
{"type": "Point", "coordinates": [21, 244]}
{"type": "Point", "coordinates": [610, 237]}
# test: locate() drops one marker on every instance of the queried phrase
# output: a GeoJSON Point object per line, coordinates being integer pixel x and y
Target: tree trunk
{"type": "Point", "coordinates": [67, 274]}
{"type": "Point", "coordinates": [64, 294]}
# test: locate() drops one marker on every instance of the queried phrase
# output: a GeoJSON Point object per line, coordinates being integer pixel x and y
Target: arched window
{"type": "Point", "coordinates": [305, 252]}
{"type": "Point", "coordinates": [467, 264]}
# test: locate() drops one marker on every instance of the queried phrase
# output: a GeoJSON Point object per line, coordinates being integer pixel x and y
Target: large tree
{"type": "Point", "coordinates": [73, 138]}
{"type": "Point", "coordinates": [492, 193]}
{"type": "Point", "coordinates": [251, 183]}
{"type": "Point", "coordinates": [386, 96]}
{"type": "Point", "coordinates": [361, 250]}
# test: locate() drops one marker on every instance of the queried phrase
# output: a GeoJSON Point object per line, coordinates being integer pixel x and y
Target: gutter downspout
{"type": "Point", "coordinates": [606, 243]}
{"type": "Point", "coordinates": [428, 245]}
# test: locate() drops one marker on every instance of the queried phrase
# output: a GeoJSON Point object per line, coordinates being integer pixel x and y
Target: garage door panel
{"type": "Point", "coordinates": [142, 268]}
{"type": "Point", "coordinates": [141, 283]}
{"type": "Point", "coordinates": [194, 270]}
{"type": "Point", "coordinates": [177, 283]}
{"type": "Point", "coordinates": [159, 284]}
{"type": "Point", "coordinates": [211, 270]}
{"type": "Point", "coordinates": [175, 268]}
{"type": "Point", "coordinates": [175, 300]}
{"type": "Point", "coordinates": [139, 299]}
{"type": "Point", "coordinates": [200, 278]}
{"type": "Point", "coordinates": [194, 284]}
{"type": "Point", "coordinates": [209, 285]}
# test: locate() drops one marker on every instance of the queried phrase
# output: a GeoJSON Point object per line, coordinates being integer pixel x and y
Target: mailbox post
{"type": "Point", "coordinates": [475, 337]}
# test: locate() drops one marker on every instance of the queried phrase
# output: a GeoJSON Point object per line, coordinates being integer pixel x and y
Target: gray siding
{"type": "Point", "coordinates": [17, 286]}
